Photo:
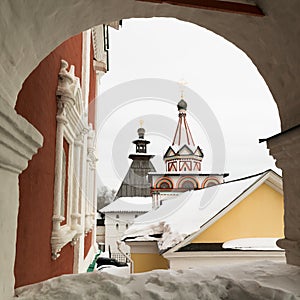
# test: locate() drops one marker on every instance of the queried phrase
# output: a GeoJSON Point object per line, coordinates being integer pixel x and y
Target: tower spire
{"type": "Point", "coordinates": [183, 133]}
{"type": "Point", "coordinates": [141, 143]}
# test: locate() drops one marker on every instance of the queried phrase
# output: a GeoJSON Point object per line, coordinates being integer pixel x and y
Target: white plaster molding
{"type": "Point", "coordinates": [98, 43]}
{"type": "Point", "coordinates": [85, 73]}
{"type": "Point", "coordinates": [226, 254]}
{"type": "Point", "coordinates": [70, 126]}
{"type": "Point", "coordinates": [18, 143]}
{"type": "Point", "coordinates": [91, 199]}
{"type": "Point", "coordinates": [19, 140]}
{"type": "Point", "coordinates": [198, 259]}
{"type": "Point", "coordinates": [143, 247]}
{"type": "Point", "coordinates": [91, 148]}
{"type": "Point", "coordinates": [275, 182]}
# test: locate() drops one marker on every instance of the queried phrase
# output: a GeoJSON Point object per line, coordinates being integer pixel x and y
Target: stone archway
{"type": "Point", "coordinates": [31, 29]}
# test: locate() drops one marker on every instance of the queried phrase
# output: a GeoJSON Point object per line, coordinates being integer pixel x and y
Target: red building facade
{"type": "Point", "coordinates": [56, 220]}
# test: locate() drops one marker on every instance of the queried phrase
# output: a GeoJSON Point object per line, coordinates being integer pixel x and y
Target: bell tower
{"type": "Point", "coordinates": [183, 155]}
{"type": "Point", "coordinates": [183, 160]}
{"type": "Point", "coordinates": [135, 183]}
{"type": "Point", "coordinates": [141, 143]}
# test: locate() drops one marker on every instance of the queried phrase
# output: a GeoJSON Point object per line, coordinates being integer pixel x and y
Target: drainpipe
{"type": "Point", "coordinates": [127, 256]}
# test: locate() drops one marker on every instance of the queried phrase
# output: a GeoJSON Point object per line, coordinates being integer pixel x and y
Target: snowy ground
{"type": "Point", "coordinates": [262, 280]}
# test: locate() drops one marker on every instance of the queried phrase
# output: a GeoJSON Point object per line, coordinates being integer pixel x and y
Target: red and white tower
{"type": "Point", "coordinates": [183, 164]}
{"type": "Point", "coordinates": [183, 155]}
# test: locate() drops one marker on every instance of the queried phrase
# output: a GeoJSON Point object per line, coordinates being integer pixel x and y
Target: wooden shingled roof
{"type": "Point", "coordinates": [135, 183]}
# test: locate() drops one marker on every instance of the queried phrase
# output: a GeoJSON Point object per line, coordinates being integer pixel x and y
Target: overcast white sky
{"type": "Point", "coordinates": [220, 73]}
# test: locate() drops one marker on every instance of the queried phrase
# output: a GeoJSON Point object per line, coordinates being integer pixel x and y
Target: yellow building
{"type": "Point", "coordinates": [238, 221]}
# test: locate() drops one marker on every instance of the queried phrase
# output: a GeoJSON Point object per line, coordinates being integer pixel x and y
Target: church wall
{"type": "Point", "coordinates": [115, 227]}
{"type": "Point", "coordinates": [258, 215]}
{"type": "Point", "coordinates": [37, 103]}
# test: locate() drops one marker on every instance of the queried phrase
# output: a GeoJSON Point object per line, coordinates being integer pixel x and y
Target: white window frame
{"type": "Point", "coordinates": [71, 125]}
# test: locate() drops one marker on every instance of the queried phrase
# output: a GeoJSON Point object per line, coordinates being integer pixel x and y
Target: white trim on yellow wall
{"type": "Point", "coordinates": [143, 247]}
{"type": "Point", "coordinates": [184, 260]}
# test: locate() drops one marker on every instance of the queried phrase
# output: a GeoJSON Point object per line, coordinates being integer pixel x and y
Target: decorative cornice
{"type": "Point", "coordinates": [285, 148]}
{"type": "Point", "coordinates": [19, 140]}
{"type": "Point", "coordinates": [97, 36]}
{"type": "Point", "coordinates": [91, 148]}
{"type": "Point", "coordinates": [99, 66]}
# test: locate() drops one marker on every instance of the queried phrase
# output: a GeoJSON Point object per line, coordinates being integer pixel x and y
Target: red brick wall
{"type": "Point", "coordinates": [66, 151]}
{"type": "Point", "coordinates": [37, 103]}
{"type": "Point", "coordinates": [87, 243]}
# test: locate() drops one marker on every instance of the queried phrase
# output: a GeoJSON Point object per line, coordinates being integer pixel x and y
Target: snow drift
{"type": "Point", "coordinates": [261, 280]}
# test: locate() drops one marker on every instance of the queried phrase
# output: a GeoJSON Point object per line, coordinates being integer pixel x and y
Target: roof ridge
{"type": "Point", "coordinates": [250, 176]}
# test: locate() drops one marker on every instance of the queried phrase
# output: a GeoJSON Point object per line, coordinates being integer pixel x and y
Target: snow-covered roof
{"type": "Point", "coordinates": [192, 212]}
{"type": "Point", "coordinates": [129, 204]}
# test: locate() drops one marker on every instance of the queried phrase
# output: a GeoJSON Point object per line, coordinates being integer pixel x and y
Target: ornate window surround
{"type": "Point", "coordinates": [162, 180]}
{"type": "Point", "coordinates": [71, 126]}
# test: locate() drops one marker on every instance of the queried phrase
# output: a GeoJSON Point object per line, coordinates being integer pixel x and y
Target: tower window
{"type": "Point", "coordinates": [211, 183]}
{"type": "Point", "coordinates": [188, 185]}
{"type": "Point", "coordinates": [117, 226]}
{"type": "Point", "coordinates": [164, 185]}
{"type": "Point", "coordinates": [117, 216]}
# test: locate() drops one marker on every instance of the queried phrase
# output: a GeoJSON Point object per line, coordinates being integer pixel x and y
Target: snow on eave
{"type": "Point", "coordinates": [253, 244]}
{"type": "Point", "coordinates": [129, 204]}
{"type": "Point", "coordinates": [269, 177]}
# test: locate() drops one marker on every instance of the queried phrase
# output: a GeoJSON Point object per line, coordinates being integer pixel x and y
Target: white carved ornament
{"type": "Point", "coordinates": [72, 127]}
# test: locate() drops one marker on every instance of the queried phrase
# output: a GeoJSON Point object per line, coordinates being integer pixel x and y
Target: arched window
{"type": "Point", "coordinates": [117, 226]}
{"type": "Point", "coordinates": [210, 182]}
{"type": "Point", "coordinates": [189, 185]}
{"type": "Point", "coordinates": [117, 216]}
{"type": "Point", "coordinates": [126, 226]}
{"type": "Point", "coordinates": [164, 185]}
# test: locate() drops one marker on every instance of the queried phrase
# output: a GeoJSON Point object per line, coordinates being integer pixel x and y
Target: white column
{"type": "Point", "coordinates": [85, 77]}
{"type": "Point", "coordinates": [285, 148]}
{"type": "Point", "coordinates": [78, 266]}
{"type": "Point", "coordinates": [61, 122]}
{"type": "Point", "coordinates": [78, 145]}
{"type": "Point", "coordinates": [19, 142]}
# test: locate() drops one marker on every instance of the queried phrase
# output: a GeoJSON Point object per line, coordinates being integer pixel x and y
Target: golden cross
{"type": "Point", "coordinates": [182, 84]}
{"type": "Point", "coordinates": [141, 123]}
